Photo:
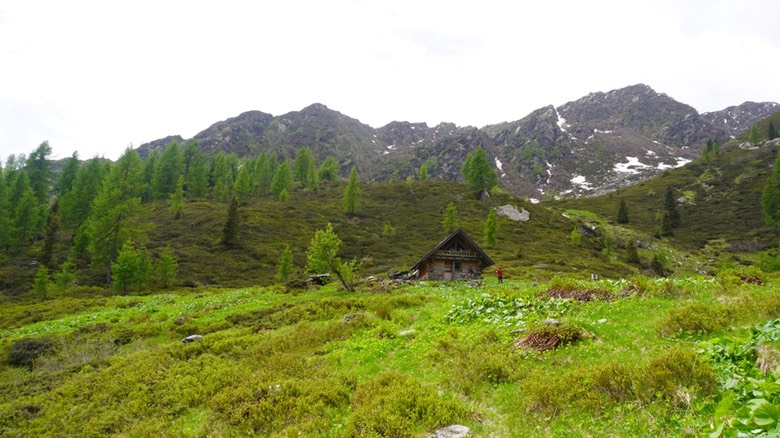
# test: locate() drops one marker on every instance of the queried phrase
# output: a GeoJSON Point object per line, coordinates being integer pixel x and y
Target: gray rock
{"type": "Point", "coordinates": [452, 431]}
{"type": "Point", "coordinates": [511, 212]}
{"type": "Point", "coordinates": [192, 338]}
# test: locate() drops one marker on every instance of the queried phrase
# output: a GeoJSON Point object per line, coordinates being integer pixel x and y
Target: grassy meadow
{"type": "Point", "coordinates": [641, 356]}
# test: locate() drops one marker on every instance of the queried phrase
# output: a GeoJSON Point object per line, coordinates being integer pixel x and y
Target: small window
{"type": "Point", "coordinates": [458, 268]}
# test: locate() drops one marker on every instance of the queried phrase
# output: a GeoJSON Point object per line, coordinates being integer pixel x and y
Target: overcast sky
{"type": "Point", "coordinates": [99, 76]}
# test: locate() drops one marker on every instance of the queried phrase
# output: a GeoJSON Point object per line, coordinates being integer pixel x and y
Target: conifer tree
{"type": "Point", "coordinates": [491, 228]}
{"type": "Point", "coordinates": [197, 182]}
{"type": "Point", "coordinates": [230, 230]}
{"type": "Point", "coordinates": [265, 177]}
{"type": "Point", "coordinates": [632, 255]}
{"type": "Point", "coordinates": [329, 170]}
{"type": "Point", "coordinates": [423, 174]}
{"type": "Point", "coordinates": [5, 213]}
{"type": "Point", "coordinates": [243, 186]}
{"type": "Point", "coordinates": [176, 199]}
{"type": "Point", "coordinates": [755, 136]}
{"type": "Point", "coordinates": [167, 171]}
{"type": "Point", "coordinates": [75, 204]}
{"type": "Point", "coordinates": [450, 222]}
{"type": "Point", "coordinates": [26, 220]}
{"type": "Point", "coordinates": [149, 169]}
{"type": "Point", "coordinates": [285, 268]}
{"type": "Point", "coordinates": [114, 212]}
{"type": "Point", "coordinates": [166, 268]}
{"type": "Point", "coordinates": [282, 180]}
{"type": "Point", "coordinates": [770, 197]}
{"type": "Point", "coordinates": [50, 235]}
{"type": "Point", "coordinates": [39, 171]}
{"type": "Point", "coordinates": [305, 172]}
{"type": "Point", "coordinates": [222, 175]}
{"type": "Point", "coordinates": [352, 193]}
{"type": "Point", "coordinates": [132, 267]}
{"type": "Point", "coordinates": [672, 215]}
{"type": "Point", "coordinates": [478, 172]}
{"type": "Point", "coordinates": [41, 284]}
{"type": "Point", "coordinates": [622, 213]}
{"type": "Point", "coordinates": [771, 131]}
{"type": "Point", "coordinates": [66, 275]}
{"type": "Point", "coordinates": [68, 174]}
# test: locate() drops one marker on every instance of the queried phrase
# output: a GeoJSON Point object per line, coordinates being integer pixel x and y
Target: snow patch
{"type": "Point", "coordinates": [632, 166]}
{"type": "Point", "coordinates": [650, 153]}
{"type": "Point", "coordinates": [680, 162]}
{"type": "Point", "coordinates": [391, 147]}
{"type": "Point", "coordinates": [598, 131]}
{"type": "Point", "coordinates": [500, 167]}
{"type": "Point", "coordinates": [561, 121]}
{"type": "Point", "coordinates": [533, 200]}
{"type": "Point", "coordinates": [580, 180]}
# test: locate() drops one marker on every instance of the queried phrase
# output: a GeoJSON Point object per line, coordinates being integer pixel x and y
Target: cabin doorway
{"type": "Point", "coordinates": [447, 270]}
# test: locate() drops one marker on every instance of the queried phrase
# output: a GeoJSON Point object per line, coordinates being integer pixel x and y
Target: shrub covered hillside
{"type": "Point", "coordinates": [635, 357]}
{"type": "Point", "coordinates": [221, 224]}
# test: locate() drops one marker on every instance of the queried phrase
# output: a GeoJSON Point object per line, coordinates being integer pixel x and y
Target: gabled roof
{"type": "Point", "coordinates": [459, 232]}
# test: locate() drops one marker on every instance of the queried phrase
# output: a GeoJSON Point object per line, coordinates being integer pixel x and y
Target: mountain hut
{"type": "Point", "coordinates": [454, 258]}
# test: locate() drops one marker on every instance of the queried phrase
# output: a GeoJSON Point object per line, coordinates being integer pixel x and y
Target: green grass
{"type": "Point", "coordinates": [326, 362]}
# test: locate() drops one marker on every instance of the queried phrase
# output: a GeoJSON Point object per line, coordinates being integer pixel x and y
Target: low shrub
{"type": "Point", "coordinates": [592, 389]}
{"type": "Point", "coordinates": [741, 274]}
{"type": "Point", "coordinates": [677, 376]}
{"type": "Point", "coordinates": [563, 287]}
{"type": "Point", "coordinates": [545, 336]}
{"type": "Point", "coordinates": [696, 318]}
{"type": "Point", "coordinates": [394, 404]}
{"type": "Point", "coordinates": [26, 350]}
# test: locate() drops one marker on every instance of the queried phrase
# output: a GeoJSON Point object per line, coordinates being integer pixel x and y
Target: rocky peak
{"type": "Point", "coordinates": [739, 118]}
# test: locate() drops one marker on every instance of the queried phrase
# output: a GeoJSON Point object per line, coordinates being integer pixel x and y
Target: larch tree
{"type": "Point", "coordinates": [167, 171]}
{"type": "Point", "coordinates": [450, 222]}
{"type": "Point", "coordinates": [230, 230]}
{"type": "Point", "coordinates": [622, 212]}
{"type": "Point", "coordinates": [39, 170]}
{"type": "Point", "coordinates": [176, 199]}
{"type": "Point", "coordinates": [770, 196]}
{"type": "Point", "coordinates": [166, 268]}
{"type": "Point", "coordinates": [322, 257]}
{"type": "Point", "coordinates": [491, 228]}
{"type": "Point", "coordinates": [305, 171]}
{"type": "Point", "coordinates": [285, 268]}
{"type": "Point", "coordinates": [352, 193]}
{"type": "Point", "coordinates": [329, 170]}
{"type": "Point", "coordinates": [755, 135]}
{"type": "Point", "coordinates": [282, 181]}
{"type": "Point", "coordinates": [478, 172]}
{"type": "Point", "coordinates": [115, 211]}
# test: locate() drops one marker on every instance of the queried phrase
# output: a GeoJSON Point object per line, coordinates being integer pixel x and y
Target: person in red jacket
{"type": "Point", "coordinates": [500, 275]}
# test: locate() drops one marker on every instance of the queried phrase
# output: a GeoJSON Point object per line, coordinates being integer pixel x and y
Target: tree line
{"type": "Point", "coordinates": [95, 206]}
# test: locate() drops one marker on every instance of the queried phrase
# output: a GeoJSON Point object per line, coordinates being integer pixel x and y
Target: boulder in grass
{"type": "Point", "coordinates": [452, 431]}
{"type": "Point", "coordinates": [192, 338]}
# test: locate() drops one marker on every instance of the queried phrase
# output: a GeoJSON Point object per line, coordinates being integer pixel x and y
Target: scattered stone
{"type": "Point", "coordinates": [192, 338]}
{"type": "Point", "coordinates": [511, 212]}
{"type": "Point", "coordinates": [452, 431]}
{"type": "Point", "coordinates": [407, 332]}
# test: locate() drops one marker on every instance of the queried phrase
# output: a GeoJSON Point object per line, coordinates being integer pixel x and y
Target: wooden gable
{"type": "Point", "coordinates": [457, 257]}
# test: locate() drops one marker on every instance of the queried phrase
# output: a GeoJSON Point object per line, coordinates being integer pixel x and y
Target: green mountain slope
{"type": "Point", "coordinates": [718, 199]}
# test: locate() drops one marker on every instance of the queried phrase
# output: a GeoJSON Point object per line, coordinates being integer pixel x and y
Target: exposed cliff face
{"type": "Point", "coordinates": [739, 118]}
{"type": "Point", "coordinates": [592, 145]}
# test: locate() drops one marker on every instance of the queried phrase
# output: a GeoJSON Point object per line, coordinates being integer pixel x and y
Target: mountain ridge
{"type": "Point", "coordinates": [592, 145]}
